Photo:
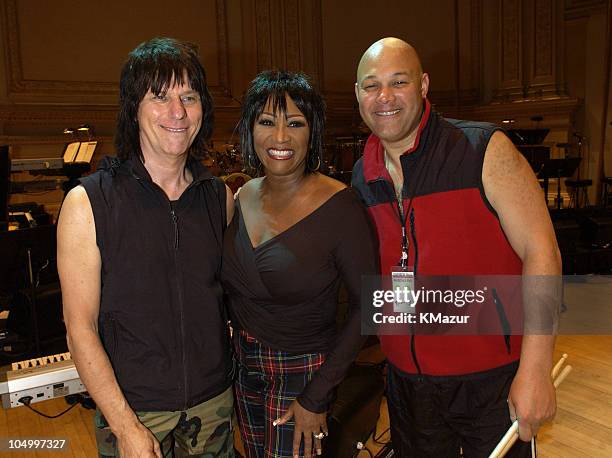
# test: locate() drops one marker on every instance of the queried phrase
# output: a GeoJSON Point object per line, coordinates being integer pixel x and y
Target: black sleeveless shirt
{"type": "Point", "coordinates": [162, 321]}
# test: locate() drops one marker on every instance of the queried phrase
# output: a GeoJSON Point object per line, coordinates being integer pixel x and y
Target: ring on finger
{"type": "Point", "coordinates": [319, 436]}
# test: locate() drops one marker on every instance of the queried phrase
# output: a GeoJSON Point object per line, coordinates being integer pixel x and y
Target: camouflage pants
{"type": "Point", "coordinates": [205, 430]}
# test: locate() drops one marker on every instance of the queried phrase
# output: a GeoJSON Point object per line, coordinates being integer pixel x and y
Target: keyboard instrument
{"type": "Point", "coordinates": [39, 379]}
{"type": "Point", "coordinates": [32, 165]}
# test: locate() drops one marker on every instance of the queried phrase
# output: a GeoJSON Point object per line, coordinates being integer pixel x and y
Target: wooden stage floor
{"type": "Point", "coordinates": [582, 427]}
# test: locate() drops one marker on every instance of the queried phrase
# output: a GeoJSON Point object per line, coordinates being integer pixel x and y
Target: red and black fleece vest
{"type": "Point", "coordinates": [453, 230]}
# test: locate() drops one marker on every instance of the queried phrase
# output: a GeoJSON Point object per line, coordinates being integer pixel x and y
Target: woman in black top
{"type": "Point", "coordinates": [296, 234]}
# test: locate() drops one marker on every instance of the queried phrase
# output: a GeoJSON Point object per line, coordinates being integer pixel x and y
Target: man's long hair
{"type": "Point", "coordinates": [154, 65]}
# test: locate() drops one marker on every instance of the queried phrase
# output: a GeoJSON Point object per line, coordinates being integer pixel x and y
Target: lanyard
{"type": "Point", "coordinates": [419, 147]}
{"type": "Point", "coordinates": [403, 218]}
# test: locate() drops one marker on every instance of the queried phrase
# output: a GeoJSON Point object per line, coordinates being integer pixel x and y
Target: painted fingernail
{"type": "Point", "coordinates": [319, 451]}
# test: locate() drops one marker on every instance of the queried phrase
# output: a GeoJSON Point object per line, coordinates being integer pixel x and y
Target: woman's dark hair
{"type": "Point", "coordinates": [154, 65]}
{"type": "Point", "coordinates": [273, 85]}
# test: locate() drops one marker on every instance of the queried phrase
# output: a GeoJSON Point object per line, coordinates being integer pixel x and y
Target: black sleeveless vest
{"type": "Point", "coordinates": [162, 319]}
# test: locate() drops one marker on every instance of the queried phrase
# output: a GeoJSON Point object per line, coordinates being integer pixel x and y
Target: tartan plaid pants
{"type": "Point", "coordinates": [268, 381]}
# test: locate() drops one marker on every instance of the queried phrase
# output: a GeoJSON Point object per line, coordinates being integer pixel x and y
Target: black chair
{"type": "Point", "coordinates": [579, 196]}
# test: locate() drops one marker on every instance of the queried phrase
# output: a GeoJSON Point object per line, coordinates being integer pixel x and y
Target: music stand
{"type": "Point", "coordinates": [558, 168]}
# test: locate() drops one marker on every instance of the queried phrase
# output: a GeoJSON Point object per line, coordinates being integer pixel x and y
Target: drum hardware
{"type": "Point", "coordinates": [224, 162]}
{"type": "Point", "coordinates": [235, 180]}
{"type": "Point", "coordinates": [340, 156]}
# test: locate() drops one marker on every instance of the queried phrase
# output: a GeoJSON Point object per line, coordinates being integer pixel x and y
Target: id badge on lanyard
{"type": "Point", "coordinates": [402, 281]}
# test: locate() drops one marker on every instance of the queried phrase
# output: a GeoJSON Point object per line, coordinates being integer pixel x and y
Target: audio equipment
{"type": "Point", "coordinates": [40, 379]}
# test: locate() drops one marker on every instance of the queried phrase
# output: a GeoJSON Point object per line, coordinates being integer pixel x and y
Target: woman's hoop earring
{"type": "Point", "coordinates": [314, 169]}
{"type": "Point", "coordinates": [250, 158]}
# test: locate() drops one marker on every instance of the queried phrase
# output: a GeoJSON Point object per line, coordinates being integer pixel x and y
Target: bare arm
{"type": "Point", "coordinates": [229, 204]}
{"type": "Point", "coordinates": [79, 266]}
{"type": "Point", "coordinates": [514, 192]}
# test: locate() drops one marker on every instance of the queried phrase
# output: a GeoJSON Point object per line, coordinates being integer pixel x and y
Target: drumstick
{"type": "Point", "coordinates": [511, 443]}
{"type": "Point", "coordinates": [557, 367]}
{"type": "Point", "coordinates": [511, 435]}
{"type": "Point", "coordinates": [566, 370]}
{"type": "Point", "coordinates": [506, 442]}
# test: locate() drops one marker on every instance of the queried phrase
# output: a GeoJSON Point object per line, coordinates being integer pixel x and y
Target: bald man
{"type": "Point", "coordinates": [468, 204]}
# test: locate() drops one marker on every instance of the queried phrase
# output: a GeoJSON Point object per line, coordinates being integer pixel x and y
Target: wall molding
{"type": "Point", "coordinates": [467, 50]}
{"type": "Point", "coordinates": [47, 119]}
{"type": "Point", "coordinates": [21, 90]}
{"type": "Point", "coordinates": [544, 78]}
{"type": "Point", "coordinates": [30, 140]}
{"type": "Point", "coordinates": [317, 45]}
{"type": "Point", "coordinates": [576, 9]}
{"type": "Point", "coordinates": [292, 36]}
{"type": "Point", "coordinates": [288, 36]}
{"type": "Point", "coordinates": [223, 89]}
{"type": "Point", "coordinates": [511, 56]}
{"type": "Point", "coordinates": [262, 34]}
{"type": "Point", "coordinates": [557, 113]}
{"type": "Point", "coordinates": [343, 110]}
{"type": "Point", "coordinates": [45, 113]}
{"type": "Point", "coordinates": [476, 58]}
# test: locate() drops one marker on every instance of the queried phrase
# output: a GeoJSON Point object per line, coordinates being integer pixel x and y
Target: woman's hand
{"type": "Point", "coordinates": [312, 425]}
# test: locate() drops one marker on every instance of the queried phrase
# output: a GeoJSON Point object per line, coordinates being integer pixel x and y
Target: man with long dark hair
{"type": "Point", "coordinates": [139, 253]}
